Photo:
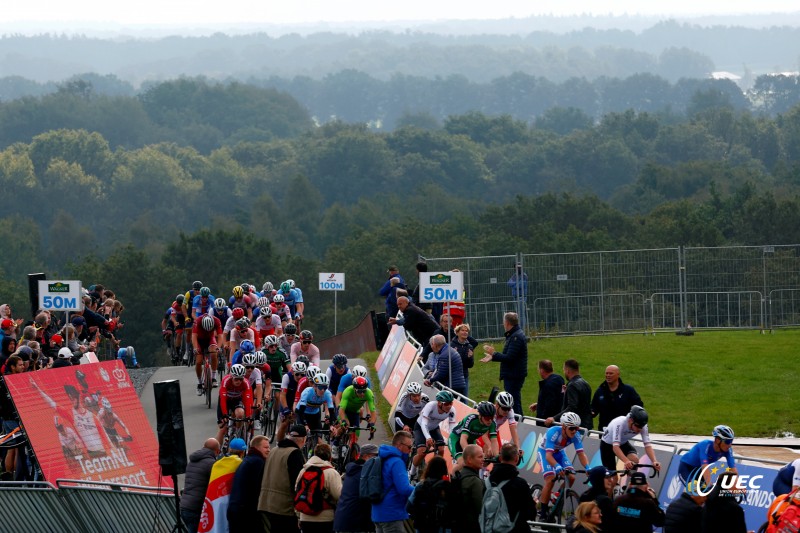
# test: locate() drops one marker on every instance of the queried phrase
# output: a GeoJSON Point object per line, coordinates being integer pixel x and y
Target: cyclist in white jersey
{"type": "Point", "coordinates": [409, 406]}
{"type": "Point", "coordinates": [426, 429]}
{"type": "Point", "coordinates": [614, 442]}
{"type": "Point", "coordinates": [504, 413]}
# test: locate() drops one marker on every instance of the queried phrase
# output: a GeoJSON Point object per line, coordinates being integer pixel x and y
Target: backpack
{"type": "Point", "coordinates": [494, 516]}
{"type": "Point", "coordinates": [784, 515]}
{"type": "Point", "coordinates": [309, 497]}
{"type": "Point", "coordinates": [370, 486]}
{"type": "Point", "coordinates": [434, 505]}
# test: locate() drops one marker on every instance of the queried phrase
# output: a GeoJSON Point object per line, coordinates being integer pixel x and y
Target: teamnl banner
{"type": "Point", "coordinates": [753, 487]}
{"type": "Point", "coordinates": [86, 422]}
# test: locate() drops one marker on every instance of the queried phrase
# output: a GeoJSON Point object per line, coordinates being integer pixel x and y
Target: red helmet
{"type": "Point", "coordinates": [360, 383]}
{"type": "Point", "coordinates": [238, 313]}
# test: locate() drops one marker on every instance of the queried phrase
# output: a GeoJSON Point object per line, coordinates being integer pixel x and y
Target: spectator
{"type": "Point", "coordinates": [465, 345]}
{"type": "Point", "coordinates": [354, 514]}
{"type": "Point", "coordinates": [518, 283]}
{"type": "Point", "coordinates": [64, 358]}
{"type": "Point", "coordinates": [445, 328]}
{"type": "Point", "coordinates": [589, 518]}
{"type": "Point", "coordinates": [390, 513]}
{"type": "Point", "coordinates": [9, 346]}
{"type": "Point", "coordinates": [243, 503]}
{"type": "Point", "coordinates": [428, 307]}
{"type": "Point", "coordinates": [637, 510]}
{"type": "Point", "coordinates": [198, 472]}
{"type": "Point", "coordinates": [14, 365]}
{"type": "Point", "coordinates": [613, 398]}
{"type": "Point", "coordinates": [323, 522]}
{"type": "Point", "coordinates": [53, 346]}
{"type": "Point", "coordinates": [551, 392]}
{"type": "Point", "coordinates": [722, 511]}
{"type": "Point", "coordinates": [513, 359]}
{"type": "Point", "coordinates": [516, 492]}
{"type": "Point", "coordinates": [8, 329]}
{"type": "Point", "coordinates": [432, 504]}
{"type": "Point", "coordinates": [389, 291]}
{"type": "Point", "coordinates": [448, 366]}
{"type": "Point", "coordinates": [577, 397]}
{"type": "Point", "coordinates": [685, 514]}
{"type": "Point", "coordinates": [276, 500]}
{"type": "Point", "coordinates": [472, 489]}
{"type": "Point", "coordinates": [601, 492]}
{"type": "Point", "coordinates": [417, 322]}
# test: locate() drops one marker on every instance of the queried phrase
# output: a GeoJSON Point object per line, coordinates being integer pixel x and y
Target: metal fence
{"type": "Point", "coordinates": [623, 291]}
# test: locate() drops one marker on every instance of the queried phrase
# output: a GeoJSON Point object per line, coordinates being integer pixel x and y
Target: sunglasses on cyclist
{"type": "Point", "coordinates": [249, 367]}
{"type": "Point", "coordinates": [727, 441]}
{"type": "Point", "coordinates": [637, 425]}
{"type": "Point", "coordinates": [321, 387]}
{"type": "Point", "coordinates": [572, 428]}
{"type": "Point", "coordinates": [446, 404]}
{"type": "Point", "coordinates": [305, 342]}
{"type": "Point", "coordinates": [504, 409]}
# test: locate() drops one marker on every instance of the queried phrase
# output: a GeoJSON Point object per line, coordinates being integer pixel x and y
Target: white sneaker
{"type": "Point", "coordinates": [185, 356]}
{"type": "Point", "coordinates": [199, 389]}
{"type": "Point", "coordinates": [257, 425]}
{"type": "Point", "coordinates": [334, 452]}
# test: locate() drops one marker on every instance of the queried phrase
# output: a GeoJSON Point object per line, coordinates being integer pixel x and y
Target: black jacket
{"type": "Point", "coordinates": [603, 501]}
{"type": "Point", "coordinates": [551, 396]}
{"type": "Point", "coordinates": [723, 513]}
{"type": "Point", "coordinates": [198, 472]}
{"type": "Point", "coordinates": [578, 399]}
{"type": "Point", "coordinates": [609, 405]}
{"type": "Point", "coordinates": [352, 512]}
{"type": "Point", "coordinates": [636, 512]}
{"type": "Point", "coordinates": [463, 350]}
{"type": "Point", "coordinates": [683, 516]}
{"type": "Point", "coordinates": [514, 357]}
{"type": "Point", "coordinates": [246, 486]}
{"type": "Point", "coordinates": [420, 324]}
{"type": "Point", "coordinates": [517, 494]}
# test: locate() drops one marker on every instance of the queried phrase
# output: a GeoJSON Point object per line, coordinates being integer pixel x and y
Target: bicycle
{"type": "Point", "coordinates": [238, 428]}
{"type": "Point", "coordinates": [205, 378]}
{"type": "Point", "coordinates": [222, 363]}
{"type": "Point", "coordinates": [269, 414]}
{"type": "Point", "coordinates": [312, 440]}
{"type": "Point", "coordinates": [349, 450]}
{"type": "Point", "coordinates": [563, 500]}
{"type": "Point", "coordinates": [172, 352]}
{"type": "Point", "coordinates": [619, 487]}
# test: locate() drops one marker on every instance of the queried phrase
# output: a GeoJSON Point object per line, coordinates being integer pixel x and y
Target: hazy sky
{"type": "Point", "coordinates": [183, 12]}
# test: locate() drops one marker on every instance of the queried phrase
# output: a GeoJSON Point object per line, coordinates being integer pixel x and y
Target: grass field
{"type": "Point", "coordinates": [689, 384]}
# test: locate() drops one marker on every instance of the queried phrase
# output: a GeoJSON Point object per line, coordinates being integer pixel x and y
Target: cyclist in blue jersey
{"type": "Point", "coordinates": [308, 410]}
{"type": "Point", "coordinates": [347, 380]}
{"type": "Point", "coordinates": [554, 459]}
{"type": "Point", "coordinates": [707, 452]}
{"type": "Point", "coordinates": [246, 347]}
{"type": "Point", "coordinates": [788, 479]}
{"type": "Point", "coordinates": [203, 303]}
{"type": "Point", "coordinates": [300, 307]}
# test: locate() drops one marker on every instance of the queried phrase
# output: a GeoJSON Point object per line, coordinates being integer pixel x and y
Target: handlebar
{"type": "Point", "coordinates": [636, 467]}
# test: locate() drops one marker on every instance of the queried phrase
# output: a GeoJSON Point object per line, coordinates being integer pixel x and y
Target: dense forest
{"type": "Point", "coordinates": [232, 183]}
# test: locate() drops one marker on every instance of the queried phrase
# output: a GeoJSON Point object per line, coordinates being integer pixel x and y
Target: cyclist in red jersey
{"type": "Point", "coordinates": [234, 392]}
{"type": "Point", "coordinates": [207, 336]}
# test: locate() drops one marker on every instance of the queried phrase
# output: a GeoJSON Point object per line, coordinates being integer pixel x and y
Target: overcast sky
{"type": "Point", "coordinates": [184, 12]}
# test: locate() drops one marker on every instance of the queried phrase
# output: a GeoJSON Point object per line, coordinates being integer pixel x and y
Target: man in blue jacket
{"type": "Point", "coordinates": [390, 513]}
{"type": "Point", "coordinates": [448, 365]}
{"type": "Point", "coordinates": [513, 359]}
{"type": "Point", "coordinates": [353, 513]}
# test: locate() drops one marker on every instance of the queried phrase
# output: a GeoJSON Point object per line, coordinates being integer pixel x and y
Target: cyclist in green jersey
{"type": "Point", "coordinates": [470, 429]}
{"type": "Point", "coordinates": [353, 398]}
{"type": "Point", "coordinates": [277, 359]}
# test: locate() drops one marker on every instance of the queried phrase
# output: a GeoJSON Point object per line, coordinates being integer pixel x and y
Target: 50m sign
{"type": "Point", "coordinates": [60, 295]}
{"type": "Point", "coordinates": [441, 287]}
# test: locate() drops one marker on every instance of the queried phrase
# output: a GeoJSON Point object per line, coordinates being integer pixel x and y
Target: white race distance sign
{"type": "Point", "coordinates": [441, 287]}
{"type": "Point", "coordinates": [331, 281]}
{"type": "Point", "coordinates": [60, 295]}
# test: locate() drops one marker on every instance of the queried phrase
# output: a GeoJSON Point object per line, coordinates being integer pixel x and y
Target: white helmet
{"type": "Point", "coordinates": [265, 312]}
{"type": "Point", "coordinates": [321, 379]}
{"type": "Point", "coordinates": [414, 388]}
{"type": "Point", "coordinates": [278, 299]}
{"type": "Point", "coordinates": [238, 371]}
{"type": "Point", "coordinates": [312, 371]}
{"type": "Point", "coordinates": [298, 368]}
{"type": "Point", "coordinates": [261, 302]}
{"type": "Point", "coordinates": [359, 370]}
{"type": "Point", "coordinates": [267, 287]}
{"type": "Point", "coordinates": [570, 419]}
{"type": "Point", "coordinates": [504, 399]}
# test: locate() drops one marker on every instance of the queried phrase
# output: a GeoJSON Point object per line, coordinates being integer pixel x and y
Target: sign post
{"type": "Point", "coordinates": [442, 287]}
{"type": "Point", "coordinates": [332, 282]}
{"type": "Point", "coordinates": [60, 295]}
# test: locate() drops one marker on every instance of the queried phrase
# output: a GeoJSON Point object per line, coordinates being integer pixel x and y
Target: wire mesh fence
{"type": "Point", "coordinates": [623, 291]}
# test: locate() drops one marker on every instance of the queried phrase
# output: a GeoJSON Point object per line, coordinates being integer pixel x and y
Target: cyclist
{"type": "Point", "coordinates": [256, 380]}
{"type": "Point", "coordinates": [472, 427]}
{"type": "Point", "coordinates": [308, 411]}
{"type": "Point", "coordinates": [709, 451]}
{"type": "Point", "coordinates": [236, 315]}
{"type": "Point", "coordinates": [426, 428]}
{"type": "Point", "coordinates": [223, 312]}
{"type": "Point", "coordinates": [302, 384]}
{"type": "Point", "coordinates": [288, 391]}
{"type": "Point", "coordinates": [240, 300]}
{"type": "Point", "coordinates": [788, 479]}
{"type": "Point", "coordinates": [614, 442]}
{"type": "Point", "coordinates": [353, 397]}
{"type": "Point", "coordinates": [289, 297]}
{"type": "Point", "coordinates": [234, 392]}
{"type": "Point", "coordinates": [186, 309]}
{"type": "Point", "coordinates": [266, 322]}
{"type": "Point", "coordinates": [306, 347]}
{"type": "Point", "coordinates": [278, 360]}
{"type": "Point", "coordinates": [239, 335]}
{"type": "Point", "coordinates": [554, 459]}
{"type": "Point", "coordinates": [203, 303]}
{"type": "Point", "coordinates": [504, 413]}
{"type": "Point", "coordinates": [335, 372]}
{"type": "Point", "coordinates": [347, 380]}
{"type": "Point", "coordinates": [267, 290]}
{"type": "Point", "coordinates": [246, 347]}
{"type": "Point", "coordinates": [409, 407]}
{"type": "Point", "coordinates": [172, 325]}
{"type": "Point", "coordinates": [288, 338]}
{"type": "Point", "coordinates": [206, 337]}
{"type": "Point", "coordinates": [281, 309]}
{"type": "Point", "coordinates": [299, 310]}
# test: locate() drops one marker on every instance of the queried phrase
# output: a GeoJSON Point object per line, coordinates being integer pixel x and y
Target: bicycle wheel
{"type": "Point", "coordinates": [567, 503]}
{"type": "Point", "coordinates": [207, 382]}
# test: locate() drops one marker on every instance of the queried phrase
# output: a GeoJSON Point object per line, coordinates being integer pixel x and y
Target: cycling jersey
{"type": "Point", "coordinates": [334, 378]}
{"type": "Point", "coordinates": [474, 428]}
{"type": "Point", "coordinates": [289, 387]}
{"type": "Point", "coordinates": [312, 401]}
{"type": "Point", "coordinates": [267, 327]}
{"type": "Point", "coordinates": [618, 432]}
{"type": "Point", "coordinates": [788, 477]}
{"type": "Point", "coordinates": [206, 338]}
{"type": "Point", "coordinates": [302, 385]}
{"type": "Point", "coordinates": [254, 378]}
{"type": "Point", "coordinates": [188, 300]}
{"type": "Point", "coordinates": [290, 298]}
{"type": "Point", "coordinates": [278, 362]}
{"type": "Point", "coordinates": [703, 453]}
{"type": "Point", "coordinates": [237, 337]}
{"type": "Point", "coordinates": [351, 402]}
{"type": "Point", "coordinates": [347, 380]}
{"type": "Point", "coordinates": [200, 307]}
{"type": "Point", "coordinates": [222, 314]}
{"type": "Point", "coordinates": [554, 440]}
{"type": "Point", "coordinates": [430, 418]}
{"type": "Point", "coordinates": [285, 345]}
{"type": "Point", "coordinates": [509, 417]}
{"type": "Point", "coordinates": [283, 312]}
{"type": "Point", "coordinates": [312, 352]}
{"type": "Point", "coordinates": [229, 391]}
{"type": "Point", "coordinates": [408, 408]}
{"type": "Point", "coordinates": [241, 303]}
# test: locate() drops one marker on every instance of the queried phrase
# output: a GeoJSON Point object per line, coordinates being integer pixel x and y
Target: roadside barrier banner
{"type": "Point", "coordinates": [389, 354]}
{"type": "Point", "coordinates": [86, 422]}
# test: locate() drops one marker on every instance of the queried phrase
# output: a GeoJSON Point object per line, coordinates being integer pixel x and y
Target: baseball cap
{"type": "Point", "coordinates": [638, 478]}
{"type": "Point", "coordinates": [297, 430]}
{"type": "Point", "coordinates": [6, 323]}
{"type": "Point", "coordinates": [238, 445]}
{"type": "Point", "coordinates": [369, 449]}
{"type": "Point", "coordinates": [78, 321]}
{"type": "Point", "coordinates": [64, 353]}
{"type": "Point", "coordinates": [597, 474]}
{"type": "Point", "coordinates": [58, 339]}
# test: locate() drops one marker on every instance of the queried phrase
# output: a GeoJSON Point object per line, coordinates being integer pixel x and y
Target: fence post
{"type": "Point", "coordinates": [682, 285]}
{"type": "Point", "coordinates": [602, 298]}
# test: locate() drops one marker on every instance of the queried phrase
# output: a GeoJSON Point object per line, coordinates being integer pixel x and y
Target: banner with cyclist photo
{"type": "Point", "coordinates": [86, 422]}
{"type": "Point", "coordinates": [396, 381]}
{"type": "Point", "coordinates": [391, 350]}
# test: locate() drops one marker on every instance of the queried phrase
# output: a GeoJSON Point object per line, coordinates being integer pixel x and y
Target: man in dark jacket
{"type": "Point", "coordinates": [577, 397]}
{"type": "Point", "coordinates": [516, 492]}
{"type": "Point", "coordinates": [602, 490]}
{"type": "Point", "coordinates": [449, 370]}
{"type": "Point", "coordinates": [445, 328]}
{"type": "Point", "coordinates": [472, 490]}
{"type": "Point", "coordinates": [637, 510]}
{"type": "Point", "coordinates": [613, 398]}
{"type": "Point", "coordinates": [198, 472]}
{"type": "Point", "coordinates": [276, 500]}
{"type": "Point", "coordinates": [685, 514]}
{"type": "Point", "coordinates": [722, 511]}
{"type": "Point", "coordinates": [243, 502]}
{"type": "Point", "coordinates": [513, 359]}
{"type": "Point", "coordinates": [353, 514]}
{"type": "Point", "coordinates": [551, 392]}
{"type": "Point", "coordinates": [416, 321]}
